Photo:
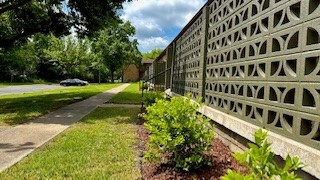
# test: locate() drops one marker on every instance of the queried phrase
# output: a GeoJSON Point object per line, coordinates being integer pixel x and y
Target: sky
{"type": "Point", "coordinates": [158, 22]}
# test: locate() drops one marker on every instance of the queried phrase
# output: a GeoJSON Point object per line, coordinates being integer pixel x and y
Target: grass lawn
{"type": "Point", "coordinates": [100, 146]}
{"type": "Point", "coordinates": [2, 84]}
{"type": "Point", "coordinates": [20, 108]}
{"type": "Point", "coordinates": [131, 94]}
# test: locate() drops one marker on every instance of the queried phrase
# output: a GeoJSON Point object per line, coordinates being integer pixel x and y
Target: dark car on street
{"type": "Point", "coordinates": [73, 82]}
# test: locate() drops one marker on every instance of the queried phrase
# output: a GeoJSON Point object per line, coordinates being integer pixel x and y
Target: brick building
{"type": "Point", "coordinates": [132, 73]}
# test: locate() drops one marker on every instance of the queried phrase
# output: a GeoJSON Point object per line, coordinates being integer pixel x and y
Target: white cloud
{"type": "Point", "coordinates": [157, 18]}
{"type": "Point", "coordinates": [150, 43]}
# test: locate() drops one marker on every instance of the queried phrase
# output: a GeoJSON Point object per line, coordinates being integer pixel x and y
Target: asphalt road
{"type": "Point", "coordinates": [20, 89]}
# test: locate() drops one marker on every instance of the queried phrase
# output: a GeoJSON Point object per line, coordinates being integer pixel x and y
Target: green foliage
{"type": "Point", "coordinates": [150, 98]}
{"type": "Point", "coordinates": [232, 175]}
{"type": "Point", "coordinates": [153, 54]}
{"type": "Point", "coordinates": [145, 86]}
{"type": "Point", "coordinates": [177, 129]}
{"type": "Point", "coordinates": [70, 56]}
{"type": "Point", "coordinates": [260, 161]}
{"type": "Point", "coordinates": [20, 19]}
{"type": "Point", "coordinates": [31, 17]}
{"type": "Point", "coordinates": [91, 16]}
{"type": "Point", "coordinates": [115, 48]}
{"type": "Point", "coordinates": [49, 57]}
{"type": "Point", "coordinates": [18, 62]}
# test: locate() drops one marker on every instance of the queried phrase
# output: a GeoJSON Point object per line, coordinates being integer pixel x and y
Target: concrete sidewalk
{"type": "Point", "coordinates": [19, 141]}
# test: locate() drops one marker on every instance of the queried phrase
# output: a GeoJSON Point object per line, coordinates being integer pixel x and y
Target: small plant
{"type": "Point", "coordinates": [177, 129]}
{"type": "Point", "coordinates": [260, 161]}
{"type": "Point", "coordinates": [144, 85]}
{"type": "Point", "coordinates": [150, 97]}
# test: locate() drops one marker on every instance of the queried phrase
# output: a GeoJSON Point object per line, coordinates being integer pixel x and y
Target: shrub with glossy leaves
{"type": "Point", "coordinates": [260, 161]}
{"type": "Point", "coordinates": [178, 130]}
{"type": "Point", "coordinates": [150, 97]}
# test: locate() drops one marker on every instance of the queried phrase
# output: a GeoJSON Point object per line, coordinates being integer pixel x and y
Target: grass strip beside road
{"type": "Point", "coordinates": [20, 108]}
{"type": "Point", "coordinates": [3, 84]}
{"type": "Point", "coordinates": [15, 84]}
{"type": "Point", "coordinates": [131, 95]}
{"type": "Point", "coordinates": [100, 146]}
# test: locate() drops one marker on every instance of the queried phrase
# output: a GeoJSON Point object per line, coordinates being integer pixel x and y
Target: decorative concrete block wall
{"type": "Point", "coordinates": [155, 75]}
{"type": "Point", "coordinates": [159, 80]}
{"type": "Point", "coordinates": [188, 61]}
{"type": "Point", "coordinates": [257, 60]}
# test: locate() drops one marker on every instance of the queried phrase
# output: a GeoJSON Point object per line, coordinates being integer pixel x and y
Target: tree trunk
{"type": "Point", "coordinates": [99, 76]}
{"type": "Point", "coordinates": [122, 77]}
{"type": "Point", "coordinates": [112, 78]}
{"type": "Point", "coordinates": [11, 77]}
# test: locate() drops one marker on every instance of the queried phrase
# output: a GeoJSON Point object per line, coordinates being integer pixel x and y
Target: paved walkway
{"type": "Point", "coordinates": [19, 141]}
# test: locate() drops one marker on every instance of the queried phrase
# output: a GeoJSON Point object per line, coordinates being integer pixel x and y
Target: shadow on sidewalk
{"type": "Point", "coordinates": [14, 148]}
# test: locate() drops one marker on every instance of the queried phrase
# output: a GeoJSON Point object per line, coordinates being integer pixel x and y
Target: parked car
{"type": "Point", "coordinates": [73, 82]}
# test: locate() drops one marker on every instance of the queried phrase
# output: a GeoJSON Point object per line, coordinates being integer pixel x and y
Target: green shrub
{"type": "Point", "coordinates": [149, 98]}
{"type": "Point", "coordinates": [177, 129]}
{"type": "Point", "coordinates": [260, 161]}
{"type": "Point", "coordinates": [144, 85]}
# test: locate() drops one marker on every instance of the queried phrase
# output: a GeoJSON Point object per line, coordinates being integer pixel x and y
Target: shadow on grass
{"type": "Point", "coordinates": [116, 115]}
{"type": "Point", "coordinates": [18, 110]}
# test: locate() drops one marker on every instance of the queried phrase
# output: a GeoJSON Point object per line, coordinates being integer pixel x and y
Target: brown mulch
{"type": "Point", "coordinates": [220, 156]}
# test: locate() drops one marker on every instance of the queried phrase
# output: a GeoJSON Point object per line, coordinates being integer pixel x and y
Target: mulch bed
{"type": "Point", "coordinates": [220, 156]}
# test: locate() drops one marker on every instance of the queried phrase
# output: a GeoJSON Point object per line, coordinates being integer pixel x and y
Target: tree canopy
{"type": "Point", "coordinates": [153, 54]}
{"type": "Point", "coordinates": [115, 47]}
{"type": "Point", "coordinates": [49, 57]}
{"type": "Point", "coordinates": [19, 19]}
{"type": "Point", "coordinates": [34, 39]}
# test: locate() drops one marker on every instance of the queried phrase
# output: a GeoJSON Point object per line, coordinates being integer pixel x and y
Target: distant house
{"type": "Point", "coordinates": [132, 73]}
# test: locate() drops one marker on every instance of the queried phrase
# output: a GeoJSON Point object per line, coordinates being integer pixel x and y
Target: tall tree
{"type": "Point", "coordinates": [19, 61]}
{"type": "Point", "coordinates": [115, 47]}
{"type": "Point", "coordinates": [46, 68]}
{"type": "Point", "coordinates": [70, 56]}
{"type": "Point", "coordinates": [35, 16]}
{"type": "Point", "coordinates": [19, 19]}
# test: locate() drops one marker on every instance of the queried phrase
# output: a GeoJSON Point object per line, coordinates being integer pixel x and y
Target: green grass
{"type": "Point", "coordinates": [20, 108]}
{"type": "Point", "coordinates": [131, 95]}
{"type": "Point", "coordinates": [14, 84]}
{"type": "Point", "coordinates": [100, 146]}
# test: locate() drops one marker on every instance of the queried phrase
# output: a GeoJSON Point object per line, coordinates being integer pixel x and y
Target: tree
{"type": "Point", "coordinates": [48, 57]}
{"type": "Point", "coordinates": [70, 56]}
{"type": "Point", "coordinates": [20, 22]}
{"type": "Point", "coordinates": [153, 54]}
{"type": "Point", "coordinates": [19, 61]}
{"type": "Point", "coordinates": [115, 47]}
{"type": "Point", "coordinates": [19, 19]}
{"type": "Point", "coordinates": [7, 5]}
{"type": "Point", "coordinates": [46, 68]}
{"type": "Point", "coordinates": [90, 16]}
